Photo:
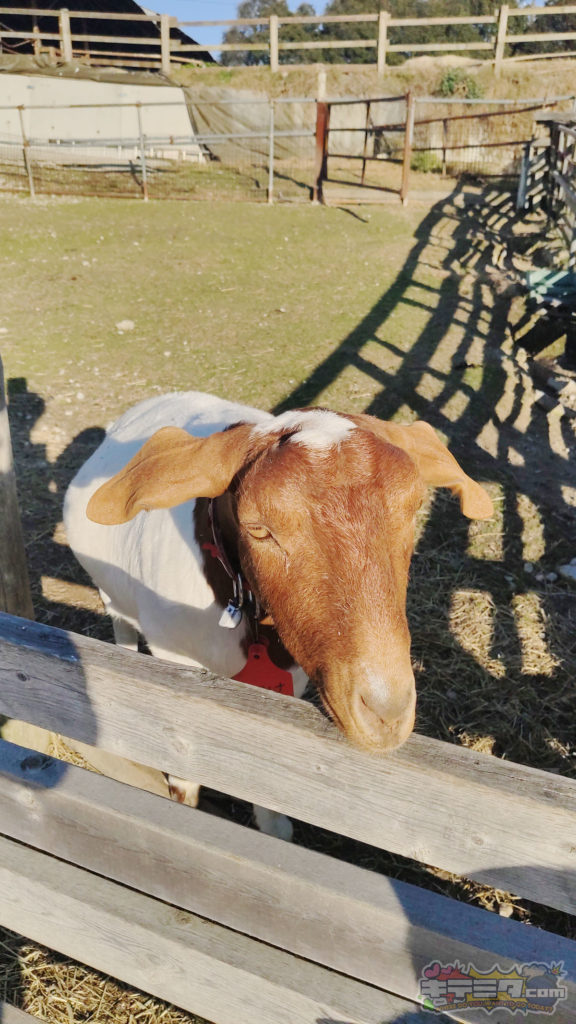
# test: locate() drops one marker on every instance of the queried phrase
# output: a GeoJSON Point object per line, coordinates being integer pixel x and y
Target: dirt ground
{"type": "Point", "coordinates": [403, 313]}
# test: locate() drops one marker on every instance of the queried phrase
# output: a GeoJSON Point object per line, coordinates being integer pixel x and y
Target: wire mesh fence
{"type": "Point", "coordinates": [483, 138]}
{"type": "Point", "coordinates": [253, 148]}
{"type": "Point", "coordinates": [268, 144]}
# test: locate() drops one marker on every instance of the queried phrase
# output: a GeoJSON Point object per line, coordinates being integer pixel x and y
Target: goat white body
{"type": "Point", "coordinates": [150, 570]}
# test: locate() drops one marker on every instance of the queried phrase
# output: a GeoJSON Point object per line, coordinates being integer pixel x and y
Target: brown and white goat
{"type": "Point", "coordinates": [315, 515]}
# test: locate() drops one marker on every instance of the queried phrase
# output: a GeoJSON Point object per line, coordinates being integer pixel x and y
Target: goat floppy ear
{"type": "Point", "coordinates": [437, 467]}
{"type": "Point", "coordinates": [171, 467]}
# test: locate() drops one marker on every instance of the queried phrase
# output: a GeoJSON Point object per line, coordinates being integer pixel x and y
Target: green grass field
{"type": "Point", "coordinates": [239, 299]}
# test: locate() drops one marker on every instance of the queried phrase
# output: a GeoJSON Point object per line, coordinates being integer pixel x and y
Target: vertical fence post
{"type": "Point", "coordinates": [552, 166]}
{"type": "Point", "coordinates": [142, 153]}
{"type": "Point", "coordinates": [523, 183]}
{"type": "Point", "coordinates": [408, 139]}
{"type": "Point", "coordinates": [366, 141]}
{"type": "Point", "coordinates": [383, 19]}
{"type": "Point", "coordinates": [37, 42]}
{"type": "Point", "coordinates": [26, 153]}
{"type": "Point", "coordinates": [444, 144]}
{"type": "Point", "coordinates": [65, 34]}
{"type": "Point", "coordinates": [274, 42]}
{"type": "Point", "coordinates": [321, 87]}
{"type": "Point", "coordinates": [322, 129]}
{"type": "Point", "coordinates": [501, 39]}
{"type": "Point", "coordinates": [165, 42]}
{"type": "Point", "coordinates": [271, 155]}
{"type": "Point", "coordinates": [15, 596]}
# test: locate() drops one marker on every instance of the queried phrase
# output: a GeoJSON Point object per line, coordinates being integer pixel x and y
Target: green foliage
{"type": "Point", "coordinates": [557, 22]}
{"type": "Point", "coordinates": [259, 34]}
{"type": "Point", "coordinates": [408, 36]}
{"type": "Point", "coordinates": [457, 82]}
{"type": "Point", "coordinates": [426, 162]}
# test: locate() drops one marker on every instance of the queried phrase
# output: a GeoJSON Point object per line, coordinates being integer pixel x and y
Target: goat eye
{"type": "Point", "coordinates": [258, 532]}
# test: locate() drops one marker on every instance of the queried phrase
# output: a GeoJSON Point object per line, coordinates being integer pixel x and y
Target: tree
{"type": "Point", "coordinates": [457, 33]}
{"type": "Point", "coordinates": [260, 34]}
{"type": "Point", "coordinates": [558, 22]}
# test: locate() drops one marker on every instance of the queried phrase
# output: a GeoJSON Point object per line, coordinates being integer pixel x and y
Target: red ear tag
{"type": "Point", "coordinates": [259, 670]}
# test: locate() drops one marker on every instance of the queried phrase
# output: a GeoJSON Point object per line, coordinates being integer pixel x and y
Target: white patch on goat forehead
{"type": "Point", "coordinates": [315, 428]}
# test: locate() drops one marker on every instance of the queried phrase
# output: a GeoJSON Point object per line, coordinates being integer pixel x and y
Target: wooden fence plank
{"type": "Point", "coordinates": [47, 13]}
{"type": "Point", "coordinates": [501, 38]}
{"type": "Point", "coordinates": [336, 44]}
{"type": "Point", "coordinates": [525, 11]}
{"type": "Point", "coordinates": [195, 964]}
{"type": "Point", "coordinates": [12, 1015]}
{"type": "Point", "coordinates": [66, 41]}
{"type": "Point", "coordinates": [485, 19]}
{"type": "Point", "coordinates": [445, 805]}
{"type": "Point", "coordinates": [430, 47]}
{"type": "Point", "coordinates": [15, 596]}
{"type": "Point", "coordinates": [165, 23]}
{"type": "Point", "coordinates": [540, 37]}
{"type": "Point", "coordinates": [361, 923]}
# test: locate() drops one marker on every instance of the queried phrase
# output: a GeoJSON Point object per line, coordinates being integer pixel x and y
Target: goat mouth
{"type": "Point", "coordinates": [364, 727]}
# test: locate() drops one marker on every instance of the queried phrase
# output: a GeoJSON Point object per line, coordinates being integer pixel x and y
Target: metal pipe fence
{"type": "Point", "coordinates": [268, 150]}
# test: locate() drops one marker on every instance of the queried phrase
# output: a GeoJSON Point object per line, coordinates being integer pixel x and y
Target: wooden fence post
{"type": "Point", "coordinates": [65, 34]}
{"type": "Point", "coordinates": [26, 153]}
{"type": "Point", "coordinates": [15, 596]}
{"type": "Point", "coordinates": [408, 139]}
{"type": "Point", "coordinates": [383, 20]}
{"type": "Point", "coordinates": [165, 42]}
{"type": "Point", "coordinates": [366, 141]}
{"type": "Point", "coordinates": [322, 126]}
{"type": "Point", "coordinates": [142, 143]}
{"type": "Point", "coordinates": [274, 63]}
{"type": "Point", "coordinates": [501, 39]}
{"type": "Point", "coordinates": [271, 153]}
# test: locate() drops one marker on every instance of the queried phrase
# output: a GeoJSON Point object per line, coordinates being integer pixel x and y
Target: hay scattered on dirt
{"type": "Point", "coordinates": [60, 991]}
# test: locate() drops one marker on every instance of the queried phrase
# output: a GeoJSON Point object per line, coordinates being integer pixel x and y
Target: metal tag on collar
{"type": "Point", "coordinates": [232, 615]}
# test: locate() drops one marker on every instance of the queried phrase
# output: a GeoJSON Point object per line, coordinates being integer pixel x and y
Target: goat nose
{"type": "Point", "coordinates": [384, 712]}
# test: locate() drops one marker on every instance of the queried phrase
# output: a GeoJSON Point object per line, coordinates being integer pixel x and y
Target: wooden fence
{"type": "Point", "coordinates": [234, 925]}
{"type": "Point", "coordinates": [163, 49]}
{"type": "Point", "coordinates": [562, 195]}
{"type": "Point", "coordinates": [548, 177]}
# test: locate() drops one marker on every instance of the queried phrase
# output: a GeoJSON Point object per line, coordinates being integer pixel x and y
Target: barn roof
{"type": "Point", "coordinates": [142, 29]}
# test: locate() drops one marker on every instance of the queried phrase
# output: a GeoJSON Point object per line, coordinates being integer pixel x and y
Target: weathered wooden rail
{"type": "Point", "coordinates": [226, 922]}
{"type": "Point", "coordinates": [165, 47]}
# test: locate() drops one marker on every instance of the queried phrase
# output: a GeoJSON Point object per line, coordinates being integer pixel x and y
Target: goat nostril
{"type": "Point", "coordinates": [373, 713]}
